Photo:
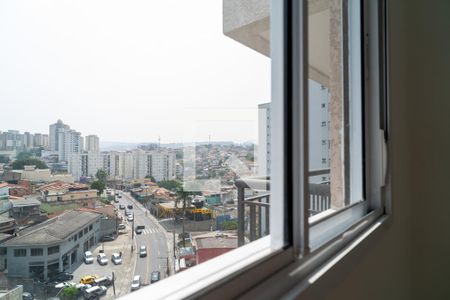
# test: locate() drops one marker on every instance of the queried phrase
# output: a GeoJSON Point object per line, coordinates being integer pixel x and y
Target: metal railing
{"type": "Point", "coordinates": [254, 211]}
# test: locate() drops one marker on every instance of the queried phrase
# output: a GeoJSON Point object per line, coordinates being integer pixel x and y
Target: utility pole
{"type": "Point", "coordinates": [114, 283]}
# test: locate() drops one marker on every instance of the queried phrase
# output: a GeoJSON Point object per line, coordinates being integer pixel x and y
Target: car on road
{"type": "Point", "coordinates": [121, 206]}
{"type": "Point", "coordinates": [155, 276]}
{"type": "Point", "coordinates": [130, 218]}
{"type": "Point", "coordinates": [121, 226]}
{"type": "Point", "coordinates": [102, 259]}
{"type": "Point", "coordinates": [143, 251]}
{"type": "Point", "coordinates": [116, 258]}
{"type": "Point", "coordinates": [129, 206]}
{"type": "Point", "coordinates": [136, 283]}
{"type": "Point", "coordinates": [89, 279]}
{"type": "Point", "coordinates": [61, 277]}
{"type": "Point", "coordinates": [120, 196]}
{"type": "Point", "coordinates": [81, 286]}
{"type": "Point", "coordinates": [139, 229]}
{"type": "Point", "coordinates": [95, 292]}
{"type": "Point", "coordinates": [88, 257]}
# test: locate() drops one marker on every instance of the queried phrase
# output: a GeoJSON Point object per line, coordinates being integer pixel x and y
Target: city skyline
{"type": "Point", "coordinates": [129, 81]}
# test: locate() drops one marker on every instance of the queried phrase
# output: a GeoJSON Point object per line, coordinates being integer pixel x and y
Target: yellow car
{"type": "Point", "coordinates": [88, 279]}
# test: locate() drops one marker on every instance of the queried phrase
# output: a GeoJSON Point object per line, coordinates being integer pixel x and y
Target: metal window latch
{"type": "Point", "coordinates": [383, 158]}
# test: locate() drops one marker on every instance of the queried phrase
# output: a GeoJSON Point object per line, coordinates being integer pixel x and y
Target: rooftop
{"type": "Point", "coordinates": [218, 241]}
{"type": "Point", "coordinates": [54, 230]}
{"type": "Point", "coordinates": [25, 202]}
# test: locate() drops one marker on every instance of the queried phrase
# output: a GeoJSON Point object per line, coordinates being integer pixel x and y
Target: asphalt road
{"type": "Point", "coordinates": [153, 236]}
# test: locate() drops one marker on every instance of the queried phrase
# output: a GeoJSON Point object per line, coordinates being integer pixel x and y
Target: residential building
{"type": "Point", "coordinates": [11, 140]}
{"type": "Point", "coordinates": [54, 134]}
{"type": "Point", "coordinates": [69, 143]}
{"type": "Point", "coordinates": [53, 246]}
{"type": "Point", "coordinates": [32, 174]}
{"type": "Point", "coordinates": [263, 152]}
{"type": "Point", "coordinates": [28, 140]}
{"type": "Point", "coordinates": [213, 244]}
{"type": "Point", "coordinates": [91, 143]}
{"type": "Point", "coordinates": [25, 210]}
{"type": "Point", "coordinates": [65, 192]}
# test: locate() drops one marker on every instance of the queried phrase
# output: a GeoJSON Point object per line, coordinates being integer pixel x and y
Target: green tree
{"type": "Point", "coordinates": [228, 225]}
{"type": "Point", "coordinates": [151, 178]}
{"type": "Point", "coordinates": [185, 196]}
{"type": "Point", "coordinates": [20, 163]}
{"type": "Point", "coordinates": [101, 175]}
{"type": "Point", "coordinates": [69, 292]}
{"type": "Point", "coordinates": [172, 185]}
{"type": "Point", "coordinates": [98, 185]}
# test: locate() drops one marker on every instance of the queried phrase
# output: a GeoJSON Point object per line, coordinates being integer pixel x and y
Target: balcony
{"type": "Point", "coordinates": [254, 210]}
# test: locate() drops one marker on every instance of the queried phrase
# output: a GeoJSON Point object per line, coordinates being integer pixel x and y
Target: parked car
{"type": "Point", "coordinates": [105, 281]}
{"type": "Point", "coordinates": [121, 206]}
{"type": "Point", "coordinates": [138, 230]}
{"type": "Point", "coordinates": [64, 284]}
{"type": "Point", "coordinates": [108, 238]}
{"type": "Point", "coordinates": [116, 258]}
{"type": "Point", "coordinates": [143, 251]}
{"type": "Point", "coordinates": [89, 279]}
{"type": "Point", "coordinates": [155, 276]}
{"type": "Point", "coordinates": [102, 259]}
{"type": "Point", "coordinates": [130, 218]}
{"type": "Point", "coordinates": [88, 257]}
{"type": "Point", "coordinates": [121, 226]}
{"type": "Point", "coordinates": [27, 296]}
{"type": "Point", "coordinates": [61, 277]}
{"type": "Point", "coordinates": [82, 287]}
{"type": "Point", "coordinates": [136, 283]}
{"type": "Point", "coordinates": [94, 292]}
{"type": "Point", "coordinates": [129, 206]}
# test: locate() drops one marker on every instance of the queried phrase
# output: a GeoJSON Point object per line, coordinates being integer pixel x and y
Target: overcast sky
{"type": "Point", "coordinates": [128, 71]}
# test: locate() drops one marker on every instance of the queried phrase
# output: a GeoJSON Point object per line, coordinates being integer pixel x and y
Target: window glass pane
{"type": "Point", "coordinates": [152, 120]}
{"type": "Point", "coordinates": [335, 106]}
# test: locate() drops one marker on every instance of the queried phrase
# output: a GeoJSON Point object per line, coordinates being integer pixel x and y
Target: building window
{"type": "Point", "coordinates": [86, 230]}
{"type": "Point", "coordinates": [90, 227]}
{"type": "Point", "coordinates": [37, 251]}
{"type": "Point", "coordinates": [3, 251]}
{"type": "Point", "coordinates": [20, 252]}
{"type": "Point", "coordinates": [80, 234]}
{"type": "Point", "coordinates": [53, 250]}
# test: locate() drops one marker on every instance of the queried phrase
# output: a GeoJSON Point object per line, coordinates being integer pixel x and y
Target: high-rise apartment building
{"type": "Point", "coordinates": [69, 143]}
{"type": "Point", "coordinates": [319, 144]}
{"type": "Point", "coordinates": [91, 143]}
{"type": "Point", "coordinates": [54, 134]}
{"type": "Point", "coordinates": [136, 164]}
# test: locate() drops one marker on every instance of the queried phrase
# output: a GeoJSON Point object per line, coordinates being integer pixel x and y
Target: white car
{"type": "Point", "coordinates": [136, 283]}
{"type": "Point", "coordinates": [102, 259]}
{"type": "Point", "coordinates": [116, 258]}
{"type": "Point", "coordinates": [130, 218]}
{"type": "Point", "coordinates": [88, 257]}
{"type": "Point", "coordinates": [64, 284]}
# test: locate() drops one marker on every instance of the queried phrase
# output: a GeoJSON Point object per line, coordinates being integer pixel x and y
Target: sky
{"type": "Point", "coordinates": [128, 71]}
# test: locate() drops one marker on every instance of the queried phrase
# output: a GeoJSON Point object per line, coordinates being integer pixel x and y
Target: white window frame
{"type": "Point", "coordinates": [299, 249]}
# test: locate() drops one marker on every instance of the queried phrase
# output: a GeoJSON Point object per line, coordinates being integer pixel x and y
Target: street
{"type": "Point", "coordinates": [153, 236]}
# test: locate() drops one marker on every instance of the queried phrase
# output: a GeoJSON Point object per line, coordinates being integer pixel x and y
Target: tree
{"type": "Point", "coordinates": [172, 185]}
{"type": "Point", "coordinates": [183, 195]}
{"type": "Point", "coordinates": [20, 163]}
{"type": "Point", "coordinates": [101, 175]}
{"type": "Point", "coordinates": [228, 225]}
{"type": "Point", "coordinates": [98, 185]}
{"type": "Point", "coordinates": [151, 178]}
{"type": "Point", "coordinates": [69, 292]}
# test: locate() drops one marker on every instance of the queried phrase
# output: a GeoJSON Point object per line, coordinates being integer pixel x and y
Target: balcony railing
{"type": "Point", "coordinates": [254, 210]}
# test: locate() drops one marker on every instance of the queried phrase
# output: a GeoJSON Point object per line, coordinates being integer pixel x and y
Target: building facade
{"type": "Point", "coordinates": [53, 246]}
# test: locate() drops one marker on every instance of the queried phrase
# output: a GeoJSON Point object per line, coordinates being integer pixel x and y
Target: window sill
{"type": "Point", "coordinates": [203, 277]}
{"type": "Point", "coordinates": [295, 278]}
